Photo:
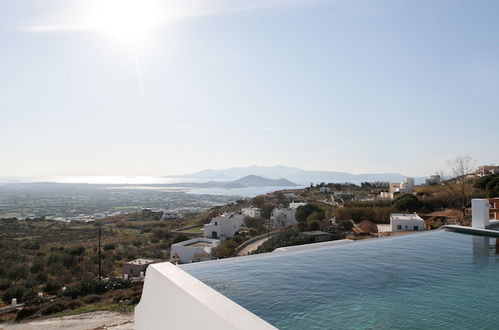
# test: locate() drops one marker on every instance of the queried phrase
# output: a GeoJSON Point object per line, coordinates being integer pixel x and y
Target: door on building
{"type": "Point", "coordinates": [416, 227]}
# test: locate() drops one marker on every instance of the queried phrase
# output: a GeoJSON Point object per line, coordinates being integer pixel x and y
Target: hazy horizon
{"type": "Point", "coordinates": [155, 88]}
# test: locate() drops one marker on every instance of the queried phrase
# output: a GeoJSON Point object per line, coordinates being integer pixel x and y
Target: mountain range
{"type": "Point", "coordinates": [298, 175]}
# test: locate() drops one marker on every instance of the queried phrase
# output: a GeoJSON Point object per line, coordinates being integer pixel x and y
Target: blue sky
{"type": "Point", "coordinates": [358, 86]}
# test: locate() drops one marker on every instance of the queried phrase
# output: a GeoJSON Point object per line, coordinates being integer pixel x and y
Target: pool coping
{"type": "Point", "coordinates": [474, 231]}
{"type": "Point", "coordinates": [174, 299]}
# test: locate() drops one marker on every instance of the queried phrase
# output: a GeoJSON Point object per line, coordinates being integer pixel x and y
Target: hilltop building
{"type": "Point", "coordinates": [252, 211]}
{"type": "Point", "coordinates": [224, 226]}
{"type": "Point", "coordinates": [283, 217]}
{"type": "Point", "coordinates": [486, 170]}
{"type": "Point", "coordinates": [404, 187]}
{"type": "Point", "coordinates": [406, 222]}
{"type": "Point", "coordinates": [196, 249]}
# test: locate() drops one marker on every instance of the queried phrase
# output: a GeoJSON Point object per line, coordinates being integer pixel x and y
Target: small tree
{"type": "Point", "coordinates": [407, 203]}
{"type": "Point", "coordinates": [492, 188]}
{"type": "Point", "coordinates": [460, 168]}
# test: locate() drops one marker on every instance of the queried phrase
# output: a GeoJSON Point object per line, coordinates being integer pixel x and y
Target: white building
{"type": "Point", "coordinates": [295, 205]}
{"type": "Point", "coordinates": [253, 212]}
{"type": "Point", "coordinates": [171, 215]}
{"type": "Point", "coordinates": [434, 180]}
{"type": "Point", "coordinates": [405, 187]}
{"type": "Point", "coordinates": [406, 222]}
{"type": "Point", "coordinates": [196, 249]}
{"type": "Point", "coordinates": [486, 170]}
{"type": "Point", "coordinates": [325, 190]}
{"type": "Point", "coordinates": [283, 217]}
{"type": "Point", "coordinates": [224, 226]}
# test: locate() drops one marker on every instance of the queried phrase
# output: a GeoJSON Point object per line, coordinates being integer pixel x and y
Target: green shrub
{"type": "Point", "coordinates": [5, 284]}
{"type": "Point", "coordinates": [27, 312]}
{"type": "Point", "coordinates": [91, 298]}
{"type": "Point", "coordinates": [52, 308]}
{"type": "Point", "coordinates": [407, 203]}
{"type": "Point", "coordinates": [109, 246]}
{"type": "Point", "coordinates": [13, 292]}
{"type": "Point", "coordinates": [52, 286]}
{"type": "Point", "coordinates": [492, 188]}
{"type": "Point", "coordinates": [77, 250]}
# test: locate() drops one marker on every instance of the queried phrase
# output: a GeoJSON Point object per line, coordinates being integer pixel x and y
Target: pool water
{"type": "Point", "coordinates": [421, 281]}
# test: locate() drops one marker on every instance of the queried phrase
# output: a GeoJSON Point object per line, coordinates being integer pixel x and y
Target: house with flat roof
{"type": "Point", "coordinates": [406, 222]}
{"type": "Point", "coordinates": [137, 267]}
{"type": "Point", "coordinates": [196, 249]}
{"type": "Point", "coordinates": [224, 226]}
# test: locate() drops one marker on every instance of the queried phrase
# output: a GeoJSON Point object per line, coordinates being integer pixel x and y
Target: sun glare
{"type": "Point", "coordinates": [128, 21]}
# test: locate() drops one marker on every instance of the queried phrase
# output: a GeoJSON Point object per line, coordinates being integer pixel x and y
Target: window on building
{"type": "Point", "coordinates": [399, 226]}
{"type": "Point", "coordinates": [416, 227]}
{"type": "Point", "coordinates": [216, 223]}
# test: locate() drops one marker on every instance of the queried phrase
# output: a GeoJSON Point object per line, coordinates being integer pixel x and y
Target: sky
{"type": "Point", "coordinates": [128, 87]}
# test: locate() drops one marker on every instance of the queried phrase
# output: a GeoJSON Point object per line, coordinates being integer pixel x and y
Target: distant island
{"type": "Point", "coordinates": [248, 181]}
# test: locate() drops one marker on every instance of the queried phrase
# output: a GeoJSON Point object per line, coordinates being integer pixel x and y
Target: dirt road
{"type": "Point", "coordinates": [87, 321]}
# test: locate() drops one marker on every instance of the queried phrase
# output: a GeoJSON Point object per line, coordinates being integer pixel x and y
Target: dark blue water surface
{"type": "Point", "coordinates": [431, 280]}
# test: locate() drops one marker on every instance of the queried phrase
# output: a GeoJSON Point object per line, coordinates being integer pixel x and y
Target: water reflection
{"type": "Point", "coordinates": [481, 249]}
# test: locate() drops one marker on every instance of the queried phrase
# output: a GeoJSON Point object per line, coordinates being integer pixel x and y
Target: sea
{"type": "Point", "coordinates": [147, 182]}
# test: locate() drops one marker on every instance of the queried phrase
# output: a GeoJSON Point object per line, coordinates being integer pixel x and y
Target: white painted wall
{"type": "Point", "coordinates": [253, 212]}
{"type": "Point", "coordinates": [225, 226]}
{"type": "Point", "coordinates": [173, 299]}
{"type": "Point", "coordinates": [187, 254]}
{"type": "Point", "coordinates": [283, 218]}
{"type": "Point", "coordinates": [406, 222]}
{"type": "Point", "coordinates": [295, 205]}
{"type": "Point", "coordinates": [480, 213]}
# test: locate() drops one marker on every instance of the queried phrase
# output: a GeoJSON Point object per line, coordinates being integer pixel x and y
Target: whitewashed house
{"type": "Point", "coordinates": [295, 205]}
{"type": "Point", "coordinates": [224, 226]}
{"type": "Point", "coordinates": [406, 222]}
{"type": "Point", "coordinates": [253, 212]}
{"type": "Point", "coordinates": [196, 249]}
{"type": "Point", "coordinates": [283, 217]}
{"type": "Point", "coordinates": [404, 187]}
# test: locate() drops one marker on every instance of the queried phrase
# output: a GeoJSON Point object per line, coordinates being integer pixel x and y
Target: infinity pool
{"type": "Point", "coordinates": [420, 281]}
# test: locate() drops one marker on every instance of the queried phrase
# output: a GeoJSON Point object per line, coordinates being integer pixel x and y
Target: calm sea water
{"type": "Point", "coordinates": [245, 192]}
{"type": "Point", "coordinates": [422, 281]}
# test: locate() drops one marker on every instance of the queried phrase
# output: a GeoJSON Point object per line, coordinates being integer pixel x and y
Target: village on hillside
{"type": "Point", "coordinates": [101, 264]}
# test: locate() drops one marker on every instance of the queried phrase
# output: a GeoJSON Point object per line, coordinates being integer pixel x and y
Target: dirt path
{"type": "Point", "coordinates": [252, 247]}
{"type": "Point", "coordinates": [87, 321]}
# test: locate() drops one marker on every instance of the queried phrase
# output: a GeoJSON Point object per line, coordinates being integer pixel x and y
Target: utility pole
{"type": "Point", "coordinates": [99, 225]}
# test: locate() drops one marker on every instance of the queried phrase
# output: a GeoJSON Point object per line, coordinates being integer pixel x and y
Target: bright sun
{"type": "Point", "coordinates": [128, 21]}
